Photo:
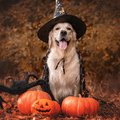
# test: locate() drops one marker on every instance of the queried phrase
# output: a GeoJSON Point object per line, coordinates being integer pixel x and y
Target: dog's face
{"type": "Point", "coordinates": [62, 35]}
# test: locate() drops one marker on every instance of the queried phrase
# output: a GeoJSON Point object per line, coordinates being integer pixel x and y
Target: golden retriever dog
{"type": "Point", "coordinates": [63, 71]}
{"type": "Point", "coordinates": [63, 62]}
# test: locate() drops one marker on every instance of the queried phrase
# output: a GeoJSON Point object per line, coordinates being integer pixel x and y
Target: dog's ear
{"type": "Point", "coordinates": [50, 42]}
{"type": "Point", "coordinates": [74, 36]}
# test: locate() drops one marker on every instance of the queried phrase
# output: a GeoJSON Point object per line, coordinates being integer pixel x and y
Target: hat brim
{"type": "Point", "coordinates": [78, 25]}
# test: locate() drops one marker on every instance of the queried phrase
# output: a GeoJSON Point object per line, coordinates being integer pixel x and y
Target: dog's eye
{"type": "Point", "coordinates": [68, 28]}
{"type": "Point", "coordinates": [57, 28]}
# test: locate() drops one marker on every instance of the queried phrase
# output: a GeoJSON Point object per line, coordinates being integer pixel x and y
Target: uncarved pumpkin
{"type": "Point", "coordinates": [78, 106]}
{"type": "Point", "coordinates": [26, 100]}
{"type": "Point", "coordinates": [45, 107]}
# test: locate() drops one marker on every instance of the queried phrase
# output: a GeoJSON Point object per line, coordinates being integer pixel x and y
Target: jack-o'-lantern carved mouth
{"type": "Point", "coordinates": [47, 110]}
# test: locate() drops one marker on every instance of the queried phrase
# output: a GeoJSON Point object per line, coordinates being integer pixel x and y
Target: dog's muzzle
{"type": "Point", "coordinates": [63, 43]}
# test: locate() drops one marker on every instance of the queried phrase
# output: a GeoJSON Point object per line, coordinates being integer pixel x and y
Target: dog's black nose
{"type": "Point", "coordinates": [63, 33]}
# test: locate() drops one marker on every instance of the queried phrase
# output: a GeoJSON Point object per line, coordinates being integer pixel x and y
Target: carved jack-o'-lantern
{"type": "Point", "coordinates": [26, 100]}
{"type": "Point", "coordinates": [45, 107]}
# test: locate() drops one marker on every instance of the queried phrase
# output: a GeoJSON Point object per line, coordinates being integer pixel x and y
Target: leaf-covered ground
{"type": "Point", "coordinates": [108, 111]}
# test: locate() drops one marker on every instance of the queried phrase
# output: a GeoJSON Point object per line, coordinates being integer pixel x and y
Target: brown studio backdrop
{"type": "Point", "coordinates": [21, 50]}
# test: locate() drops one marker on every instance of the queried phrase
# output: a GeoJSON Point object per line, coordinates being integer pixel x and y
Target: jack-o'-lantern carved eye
{"type": "Point", "coordinates": [41, 106]}
{"type": "Point", "coordinates": [46, 104]}
{"type": "Point", "coordinates": [45, 107]}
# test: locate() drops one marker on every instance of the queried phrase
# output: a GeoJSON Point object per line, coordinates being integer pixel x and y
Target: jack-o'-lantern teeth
{"type": "Point", "coordinates": [39, 110]}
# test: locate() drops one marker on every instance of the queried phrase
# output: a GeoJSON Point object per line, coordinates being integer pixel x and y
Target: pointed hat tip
{"type": "Point", "coordinates": [59, 9]}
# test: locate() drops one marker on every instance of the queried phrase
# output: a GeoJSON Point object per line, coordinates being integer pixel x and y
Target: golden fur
{"type": "Point", "coordinates": [63, 84]}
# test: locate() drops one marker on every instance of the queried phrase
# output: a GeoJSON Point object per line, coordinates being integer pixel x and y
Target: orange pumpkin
{"type": "Point", "coordinates": [78, 106]}
{"type": "Point", "coordinates": [26, 100]}
{"type": "Point", "coordinates": [45, 107]}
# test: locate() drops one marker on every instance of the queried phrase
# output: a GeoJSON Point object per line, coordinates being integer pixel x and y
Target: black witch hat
{"type": "Point", "coordinates": [60, 16]}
